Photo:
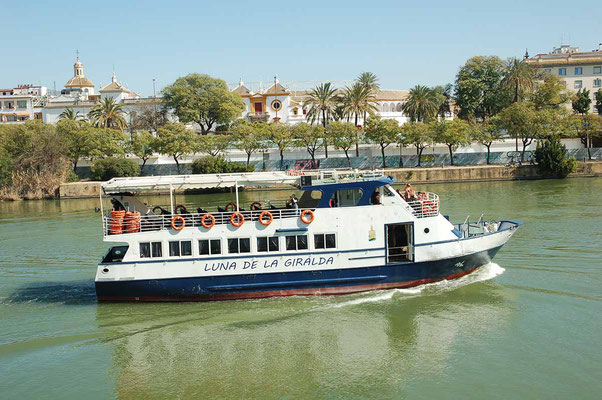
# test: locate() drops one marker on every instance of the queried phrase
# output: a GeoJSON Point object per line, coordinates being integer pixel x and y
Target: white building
{"type": "Point", "coordinates": [580, 70]}
{"type": "Point", "coordinates": [22, 103]}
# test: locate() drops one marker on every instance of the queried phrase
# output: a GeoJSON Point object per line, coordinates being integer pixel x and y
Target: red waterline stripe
{"type": "Point", "coordinates": [290, 292]}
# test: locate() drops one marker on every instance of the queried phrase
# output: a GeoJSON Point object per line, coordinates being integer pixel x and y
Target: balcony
{"type": "Point", "coordinates": [425, 205]}
{"type": "Point", "coordinates": [258, 117]}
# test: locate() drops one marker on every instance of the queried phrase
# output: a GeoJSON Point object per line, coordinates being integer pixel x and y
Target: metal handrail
{"type": "Point", "coordinates": [152, 222]}
{"type": "Point", "coordinates": [428, 206]}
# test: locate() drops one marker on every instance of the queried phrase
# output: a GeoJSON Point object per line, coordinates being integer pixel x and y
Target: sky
{"type": "Point", "coordinates": [302, 42]}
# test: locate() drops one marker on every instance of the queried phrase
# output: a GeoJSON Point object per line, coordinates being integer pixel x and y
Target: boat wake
{"type": "Point", "coordinates": [484, 273]}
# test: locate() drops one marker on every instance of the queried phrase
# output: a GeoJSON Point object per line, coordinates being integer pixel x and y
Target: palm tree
{"type": "Point", "coordinates": [423, 104]}
{"type": "Point", "coordinates": [108, 114]}
{"type": "Point", "coordinates": [370, 81]}
{"type": "Point", "coordinates": [321, 103]}
{"type": "Point", "coordinates": [445, 93]}
{"type": "Point", "coordinates": [71, 114]}
{"type": "Point", "coordinates": [518, 77]}
{"type": "Point", "coordinates": [360, 100]}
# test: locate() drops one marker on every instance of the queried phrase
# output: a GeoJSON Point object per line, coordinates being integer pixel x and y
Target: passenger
{"type": "Point", "coordinates": [410, 195]}
{"type": "Point", "coordinates": [375, 199]}
{"type": "Point", "coordinates": [292, 202]}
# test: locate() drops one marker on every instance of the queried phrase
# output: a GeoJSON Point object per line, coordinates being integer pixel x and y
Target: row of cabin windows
{"type": "Point", "coordinates": [182, 248]}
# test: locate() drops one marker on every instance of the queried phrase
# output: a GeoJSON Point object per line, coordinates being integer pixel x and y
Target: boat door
{"type": "Point", "coordinates": [400, 242]}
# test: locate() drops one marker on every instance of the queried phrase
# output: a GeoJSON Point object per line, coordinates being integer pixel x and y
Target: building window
{"type": "Point", "coordinates": [38, 115]}
{"type": "Point", "coordinates": [297, 242]}
{"type": "Point", "coordinates": [22, 104]}
{"type": "Point", "coordinates": [22, 118]}
{"type": "Point", "coordinates": [561, 71]}
{"type": "Point", "coordinates": [578, 84]}
{"type": "Point", "coordinates": [578, 71]}
{"type": "Point", "coordinates": [150, 249]}
{"type": "Point", "coordinates": [597, 82]}
{"type": "Point", "coordinates": [295, 111]}
{"type": "Point", "coordinates": [9, 105]}
{"type": "Point", "coordinates": [598, 70]}
{"type": "Point", "coordinates": [180, 248]}
{"type": "Point", "coordinates": [548, 70]}
{"type": "Point", "coordinates": [210, 247]}
{"type": "Point", "coordinates": [276, 105]}
{"type": "Point", "coordinates": [268, 244]}
{"type": "Point", "coordinates": [239, 245]}
{"type": "Point", "coordinates": [325, 241]}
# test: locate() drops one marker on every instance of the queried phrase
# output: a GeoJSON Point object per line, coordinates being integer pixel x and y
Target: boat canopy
{"type": "Point", "coordinates": [175, 182]}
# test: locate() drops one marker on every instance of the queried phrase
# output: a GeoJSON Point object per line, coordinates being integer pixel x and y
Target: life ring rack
{"type": "Point", "coordinates": [264, 222]}
{"type": "Point", "coordinates": [205, 224]}
{"type": "Point", "coordinates": [309, 220]}
{"type": "Point", "coordinates": [177, 227]}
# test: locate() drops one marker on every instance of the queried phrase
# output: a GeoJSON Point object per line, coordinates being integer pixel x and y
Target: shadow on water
{"type": "Point", "coordinates": [68, 293]}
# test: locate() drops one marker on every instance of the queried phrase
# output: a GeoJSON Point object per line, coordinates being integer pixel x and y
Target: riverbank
{"type": "Point", "coordinates": [450, 174]}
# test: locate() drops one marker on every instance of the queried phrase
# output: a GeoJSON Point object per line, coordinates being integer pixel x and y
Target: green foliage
{"type": "Point", "coordinates": [310, 137]}
{"type": "Point", "coordinates": [344, 136]}
{"type": "Point", "coordinates": [598, 105]}
{"type": "Point", "coordinates": [359, 100]}
{"type": "Point", "coordinates": [204, 100]}
{"type": "Point", "coordinates": [479, 92]}
{"type": "Point", "coordinates": [71, 114]}
{"type": "Point", "coordinates": [585, 127]}
{"type": "Point", "coordinates": [551, 159]}
{"type": "Point", "coordinates": [423, 103]}
{"type": "Point", "coordinates": [280, 135]}
{"type": "Point", "coordinates": [148, 119]}
{"type": "Point", "coordinates": [108, 114]}
{"type": "Point", "coordinates": [550, 93]}
{"type": "Point", "coordinates": [72, 177]}
{"type": "Point", "coordinates": [113, 167]}
{"type": "Point", "coordinates": [419, 135]}
{"type": "Point", "coordinates": [218, 165]}
{"type": "Point", "coordinates": [382, 132]}
{"type": "Point", "coordinates": [487, 132]}
{"type": "Point", "coordinates": [248, 137]}
{"type": "Point", "coordinates": [175, 140]}
{"type": "Point", "coordinates": [582, 102]}
{"type": "Point", "coordinates": [6, 167]}
{"type": "Point", "coordinates": [453, 134]}
{"type": "Point", "coordinates": [212, 145]}
{"type": "Point", "coordinates": [320, 103]}
{"type": "Point", "coordinates": [519, 78]}
{"type": "Point", "coordinates": [142, 145]}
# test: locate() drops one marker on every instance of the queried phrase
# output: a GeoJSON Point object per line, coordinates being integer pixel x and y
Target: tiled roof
{"type": "Point", "coordinates": [116, 87]}
{"type": "Point", "coordinates": [79, 81]}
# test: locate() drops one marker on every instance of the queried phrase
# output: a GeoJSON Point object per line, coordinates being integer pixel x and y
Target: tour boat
{"type": "Point", "coordinates": [347, 232]}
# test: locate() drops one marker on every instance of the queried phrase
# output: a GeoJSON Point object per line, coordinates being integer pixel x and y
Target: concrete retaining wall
{"type": "Point", "coordinates": [77, 190]}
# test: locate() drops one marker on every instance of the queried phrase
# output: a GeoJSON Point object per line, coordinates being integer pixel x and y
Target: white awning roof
{"type": "Point", "coordinates": [198, 181]}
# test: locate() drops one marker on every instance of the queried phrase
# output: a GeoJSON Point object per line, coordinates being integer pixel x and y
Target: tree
{"type": "Point", "coordinates": [453, 134]}
{"type": "Point", "coordinates": [142, 144]}
{"type": "Point", "coordinates": [478, 89]}
{"type": "Point", "coordinates": [519, 78]}
{"type": "Point", "coordinates": [423, 104]}
{"type": "Point", "coordinates": [370, 82]}
{"type": "Point", "coordinates": [381, 132]}
{"type": "Point", "coordinates": [551, 158]}
{"type": "Point", "coordinates": [585, 127]}
{"type": "Point", "coordinates": [113, 167]}
{"type": "Point", "coordinates": [359, 100]}
{"type": "Point", "coordinates": [598, 105]}
{"type": "Point", "coordinates": [78, 138]}
{"type": "Point", "coordinates": [175, 140]}
{"type": "Point", "coordinates": [71, 115]}
{"type": "Point", "coordinates": [108, 114]}
{"type": "Point", "coordinates": [582, 102]}
{"type": "Point", "coordinates": [148, 119]}
{"type": "Point", "coordinates": [310, 137]}
{"type": "Point", "coordinates": [107, 143]}
{"type": "Point", "coordinates": [550, 93]}
{"type": "Point", "coordinates": [212, 145]}
{"type": "Point", "coordinates": [320, 103]}
{"type": "Point", "coordinates": [248, 138]}
{"type": "Point", "coordinates": [204, 100]}
{"type": "Point", "coordinates": [445, 94]}
{"type": "Point", "coordinates": [486, 133]}
{"type": "Point", "coordinates": [419, 135]}
{"type": "Point", "coordinates": [344, 135]}
{"type": "Point", "coordinates": [280, 136]}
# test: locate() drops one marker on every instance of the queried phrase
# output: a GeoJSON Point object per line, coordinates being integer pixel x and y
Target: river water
{"type": "Point", "coordinates": [528, 326]}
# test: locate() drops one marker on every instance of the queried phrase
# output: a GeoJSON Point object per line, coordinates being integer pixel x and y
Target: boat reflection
{"type": "Point", "coordinates": [295, 347]}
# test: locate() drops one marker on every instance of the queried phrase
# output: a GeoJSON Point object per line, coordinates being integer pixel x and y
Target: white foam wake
{"type": "Point", "coordinates": [484, 273]}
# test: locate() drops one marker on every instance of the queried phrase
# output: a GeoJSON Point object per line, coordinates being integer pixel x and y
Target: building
{"type": "Point", "coordinates": [23, 103]}
{"type": "Point", "coordinates": [277, 103]}
{"type": "Point", "coordinates": [580, 70]}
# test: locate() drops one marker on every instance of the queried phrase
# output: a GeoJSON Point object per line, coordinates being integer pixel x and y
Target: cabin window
{"type": "Point", "coordinates": [150, 249]}
{"type": "Point", "coordinates": [325, 241]}
{"type": "Point", "coordinates": [310, 199]}
{"type": "Point", "coordinates": [346, 198]}
{"type": "Point", "coordinates": [296, 242]}
{"type": "Point", "coordinates": [180, 248]}
{"type": "Point", "coordinates": [388, 192]}
{"type": "Point", "coordinates": [239, 245]}
{"type": "Point", "coordinates": [210, 247]}
{"type": "Point", "coordinates": [265, 243]}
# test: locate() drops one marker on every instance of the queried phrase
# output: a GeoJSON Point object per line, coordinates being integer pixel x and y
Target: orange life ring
{"type": "Point", "coordinates": [311, 216]}
{"type": "Point", "coordinates": [256, 203]}
{"type": "Point", "coordinates": [210, 225]}
{"type": "Point", "coordinates": [173, 223]}
{"type": "Point", "coordinates": [230, 204]}
{"type": "Point", "coordinates": [241, 219]}
{"type": "Point", "coordinates": [429, 206]}
{"type": "Point", "coordinates": [268, 221]}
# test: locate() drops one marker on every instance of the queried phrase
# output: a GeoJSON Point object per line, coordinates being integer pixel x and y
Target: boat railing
{"type": "Point", "coordinates": [425, 205]}
{"type": "Point", "coordinates": [154, 222]}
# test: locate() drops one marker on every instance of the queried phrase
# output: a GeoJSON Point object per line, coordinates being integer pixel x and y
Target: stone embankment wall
{"type": "Point", "coordinates": [415, 175]}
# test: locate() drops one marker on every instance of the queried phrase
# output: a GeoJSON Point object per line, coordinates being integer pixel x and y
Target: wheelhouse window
{"type": "Point", "coordinates": [239, 245]}
{"type": "Point", "coordinates": [325, 241]}
{"type": "Point", "coordinates": [310, 199]}
{"type": "Point", "coordinates": [296, 242]}
{"type": "Point", "coordinates": [210, 246]}
{"type": "Point", "coordinates": [267, 244]}
{"type": "Point", "coordinates": [346, 198]}
{"type": "Point", "coordinates": [151, 249]}
{"type": "Point", "coordinates": [180, 248]}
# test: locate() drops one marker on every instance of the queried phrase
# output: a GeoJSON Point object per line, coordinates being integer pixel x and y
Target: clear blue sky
{"type": "Point", "coordinates": [403, 44]}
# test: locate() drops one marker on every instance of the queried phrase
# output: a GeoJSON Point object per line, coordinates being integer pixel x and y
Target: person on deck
{"type": "Point", "coordinates": [293, 202]}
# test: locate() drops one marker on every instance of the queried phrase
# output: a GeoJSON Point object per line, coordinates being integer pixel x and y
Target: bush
{"type": "Point", "coordinates": [218, 165]}
{"type": "Point", "coordinates": [551, 159]}
{"type": "Point", "coordinates": [72, 177]}
{"type": "Point", "coordinates": [113, 167]}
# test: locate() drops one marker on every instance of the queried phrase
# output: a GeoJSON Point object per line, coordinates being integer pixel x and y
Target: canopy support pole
{"type": "Point", "coordinates": [236, 189]}
{"type": "Point", "coordinates": [171, 197]}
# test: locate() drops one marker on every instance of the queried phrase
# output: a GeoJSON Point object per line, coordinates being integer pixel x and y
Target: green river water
{"type": "Point", "coordinates": [527, 327]}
